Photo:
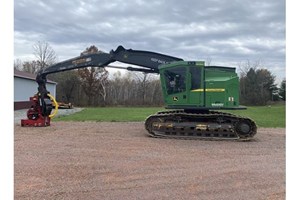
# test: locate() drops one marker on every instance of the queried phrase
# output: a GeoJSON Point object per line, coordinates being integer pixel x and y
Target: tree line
{"type": "Point", "coordinates": [93, 86]}
{"type": "Point", "coordinates": [257, 85]}
{"type": "Point", "coordinates": [85, 88]}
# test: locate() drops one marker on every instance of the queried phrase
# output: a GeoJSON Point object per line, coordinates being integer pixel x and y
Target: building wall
{"type": "Point", "coordinates": [24, 89]}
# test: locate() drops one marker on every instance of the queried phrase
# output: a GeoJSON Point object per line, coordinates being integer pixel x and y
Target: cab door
{"type": "Point", "coordinates": [196, 88]}
{"type": "Point", "coordinates": [174, 81]}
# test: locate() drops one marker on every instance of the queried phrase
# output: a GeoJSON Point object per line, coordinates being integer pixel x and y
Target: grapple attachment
{"type": "Point", "coordinates": [39, 114]}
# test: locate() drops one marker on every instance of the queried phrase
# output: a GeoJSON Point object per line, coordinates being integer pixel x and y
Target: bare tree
{"type": "Point", "coordinates": [68, 83]}
{"type": "Point", "coordinates": [103, 81]}
{"type": "Point", "coordinates": [245, 66]}
{"type": "Point", "coordinates": [31, 67]}
{"type": "Point", "coordinates": [144, 84]}
{"type": "Point", "coordinates": [93, 80]}
{"type": "Point", "coordinates": [44, 54]}
{"type": "Point", "coordinates": [208, 61]}
{"type": "Point", "coordinates": [18, 64]}
{"type": "Point", "coordinates": [134, 89]}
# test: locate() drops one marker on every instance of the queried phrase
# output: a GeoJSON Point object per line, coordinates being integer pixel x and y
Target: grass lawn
{"type": "Point", "coordinates": [264, 116]}
{"type": "Point", "coordinates": [112, 114]}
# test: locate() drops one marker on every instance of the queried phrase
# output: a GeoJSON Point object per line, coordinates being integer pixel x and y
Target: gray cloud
{"type": "Point", "coordinates": [229, 32]}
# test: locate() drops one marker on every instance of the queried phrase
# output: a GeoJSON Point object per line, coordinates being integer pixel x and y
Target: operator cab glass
{"type": "Point", "coordinates": [195, 73]}
{"type": "Point", "coordinates": [175, 80]}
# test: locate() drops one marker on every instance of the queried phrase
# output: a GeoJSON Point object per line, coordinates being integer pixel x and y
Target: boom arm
{"type": "Point", "coordinates": [149, 61]}
{"type": "Point", "coordinates": [146, 59]}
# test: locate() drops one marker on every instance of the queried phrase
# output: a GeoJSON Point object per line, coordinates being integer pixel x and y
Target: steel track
{"type": "Point", "coordinates": [205, 126]}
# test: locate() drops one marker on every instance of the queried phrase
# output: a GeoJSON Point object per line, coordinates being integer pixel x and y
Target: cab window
{"type": "Point", "coordinates": [175, 80]}
{"type": "Point", "coordinates": [196, 77]}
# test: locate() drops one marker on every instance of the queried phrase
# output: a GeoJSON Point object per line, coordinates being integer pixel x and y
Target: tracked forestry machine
{"type": "Point", "coordinates": [193, 92]}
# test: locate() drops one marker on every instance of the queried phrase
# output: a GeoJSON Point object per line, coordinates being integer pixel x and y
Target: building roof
{"type": "Point", "coordinates": [27, 75]}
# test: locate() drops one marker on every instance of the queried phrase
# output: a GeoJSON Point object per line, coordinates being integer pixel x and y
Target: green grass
{"type": "Point", "coordinates": [264, 116]}
{"type": "Point", "coordinates": [112, 114]}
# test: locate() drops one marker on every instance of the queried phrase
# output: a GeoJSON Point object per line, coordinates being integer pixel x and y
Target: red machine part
{"type": "Point", "coordinates": [34, 115]}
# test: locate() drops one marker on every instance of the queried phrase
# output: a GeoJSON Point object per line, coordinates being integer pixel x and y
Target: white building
{"type": "Point", "coordinates": [25, 87]}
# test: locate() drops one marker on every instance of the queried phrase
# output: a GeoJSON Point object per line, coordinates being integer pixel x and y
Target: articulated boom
{"type": "Point", "coordinates": [148, 61]}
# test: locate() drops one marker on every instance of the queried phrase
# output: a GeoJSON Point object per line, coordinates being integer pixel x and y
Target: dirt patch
{"type": "Point", "coordinates": [90, 160]}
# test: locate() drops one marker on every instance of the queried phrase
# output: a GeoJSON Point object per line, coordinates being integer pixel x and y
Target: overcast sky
{"type": "Point", "coordinates": [226, 32]}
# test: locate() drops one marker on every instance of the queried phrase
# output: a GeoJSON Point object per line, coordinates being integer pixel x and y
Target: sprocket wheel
{"type": "Point", "coordinates": [244, 128]}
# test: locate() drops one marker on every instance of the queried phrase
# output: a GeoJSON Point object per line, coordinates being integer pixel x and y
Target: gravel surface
{"type": "Point", "coordinates": [93, 160]}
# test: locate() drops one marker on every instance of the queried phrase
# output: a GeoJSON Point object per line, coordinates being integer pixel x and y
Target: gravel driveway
{"type": "Point", "coordinates": [102, 160]}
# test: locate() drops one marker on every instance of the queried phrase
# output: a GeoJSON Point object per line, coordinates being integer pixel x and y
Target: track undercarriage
{"type": "Point", "coordinates": [200, 125]}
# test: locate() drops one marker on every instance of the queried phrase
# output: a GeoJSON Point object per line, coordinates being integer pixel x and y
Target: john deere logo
{"type": "Point", "coordinates": [175, 98]}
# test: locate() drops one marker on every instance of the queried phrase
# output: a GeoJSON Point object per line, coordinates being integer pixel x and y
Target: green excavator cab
{"type": "Point", "coordinates": [194, 86]}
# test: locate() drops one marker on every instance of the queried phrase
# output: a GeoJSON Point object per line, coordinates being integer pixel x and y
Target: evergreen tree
{"type": "Point", "coordinates": [282, 90]}
{"type": "Point", "coordinates": [257, 87]}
